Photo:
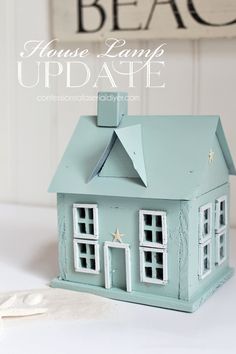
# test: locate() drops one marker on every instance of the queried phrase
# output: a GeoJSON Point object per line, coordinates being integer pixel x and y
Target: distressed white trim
{"type": "Point", "coordinates": [141, 228]}
{"type": "Point", "coordinates": [202, 237]}
{"type": "Point", "coordinates": [76, 205]}
{"type": "Point", "coordinates": [116, 244]}
{"type": "Point", "coordinates": [78, 234]}
{"type": "Point", "coordinates": [218, 235]}
{"type": "Point", "coordinates": [107, 263]}
{"type": "Point", "coordinates": [143, 277]}
{"type": "Point", "coordinates": [77, 255]}
{"type": "Point", "coordinates": [201, 272]}
{"type": "Point", "coordinates": [219, 228]}
{"type": "Point", "coordinates": [107, 267]}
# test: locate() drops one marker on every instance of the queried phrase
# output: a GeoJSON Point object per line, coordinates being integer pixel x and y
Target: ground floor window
{"type": "Point", "coordinates": [153, 265]}
{"type": "Point", "coordinates": [86, 256]}
{"type": "Point", "coordinates": [220, 247]}
{"type": "Point", "coordinates": [205, 259]}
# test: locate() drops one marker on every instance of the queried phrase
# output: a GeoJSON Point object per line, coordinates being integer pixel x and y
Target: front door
{"type": "Point", "coordinates": [118, 277]}
{"type": "Point", "coordinates": [117, 266]}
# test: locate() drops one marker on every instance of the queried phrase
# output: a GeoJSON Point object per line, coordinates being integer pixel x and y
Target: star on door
{"type": "Point", "coordinates": [117, 235]}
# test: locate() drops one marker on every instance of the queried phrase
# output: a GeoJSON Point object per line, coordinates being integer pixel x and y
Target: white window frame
{"type": "Point", "coordinates": [143, 276]}
{"type": "Point", "coordinates": [77, 255]}
{"type": "Point", "coordinates": [202, 237]}
{"type": "Point", "coordinates": [78, 234]}
{"type": "Point", "coordinates": [218, 227]}
{"type": "Point", "coordinates": [203, 274]}
{"type": "Point", "coordinates": [218, 245]}
{"type": "Point", "coordinates": [142, 240]}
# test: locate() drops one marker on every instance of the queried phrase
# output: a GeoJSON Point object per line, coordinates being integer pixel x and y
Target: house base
{"type": "Point", "coordinates": [151, 300]}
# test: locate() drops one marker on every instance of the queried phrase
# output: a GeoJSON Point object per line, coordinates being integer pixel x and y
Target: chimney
{"type": "Point", "coordinates": [112, 107]}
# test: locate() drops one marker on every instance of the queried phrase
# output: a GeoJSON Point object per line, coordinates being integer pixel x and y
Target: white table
{"type": "Point", "coordinates": [28, 259]}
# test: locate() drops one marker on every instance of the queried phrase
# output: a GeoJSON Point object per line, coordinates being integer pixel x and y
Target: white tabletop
{"type": "Point", "coordinates": [28, 260]}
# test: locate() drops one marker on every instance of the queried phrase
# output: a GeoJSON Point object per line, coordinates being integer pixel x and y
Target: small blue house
{"type": "Point", "coordinates": [143, 205]}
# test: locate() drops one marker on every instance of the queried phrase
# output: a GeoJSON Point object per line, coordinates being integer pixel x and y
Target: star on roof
{"type": "Point", "coordinates": [211, 156]}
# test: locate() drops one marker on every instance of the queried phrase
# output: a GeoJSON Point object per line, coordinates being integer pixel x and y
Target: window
{"type": "Point", "coordinates": [205, 259]}
{"type": "Point", "coordinates": [153, 265]}
{"type": "Point", "coordinates": [220, 247]}
{"type": "Point", "coordinates": [205, 240]}
{"type": "Point", "coordinates": [86, 256]}
{"type": "Point", "coordinates": [221, 214]}
{"type": "Point", "coordinates": [221, 229]}
{"type": "Point", "coordinates": [205, 222]}
{"type": "Point", "coordinates": [86, 248]}
{"type": "Point", "coordinates": [152, 228]}
{"type": "Point", "coordinates": [153, 246]}
{"type": "Point", "coordinates": [85, 217]}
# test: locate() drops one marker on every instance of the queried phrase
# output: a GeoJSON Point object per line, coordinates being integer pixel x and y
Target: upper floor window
{"type": "Point", "coordinates": [205, 222]}
{"type": "Point", "coordinates": [85, 218]}
{"type": "Point", "coordinates": [221, 214]}
{"type": "Point", "coordinates": [152, 228]}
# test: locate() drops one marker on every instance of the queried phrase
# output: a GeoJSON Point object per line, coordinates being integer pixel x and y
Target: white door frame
{"type": "Point", "coordinates": [107, 263]}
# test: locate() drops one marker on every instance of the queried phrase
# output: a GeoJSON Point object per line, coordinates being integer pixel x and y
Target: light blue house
{"type": "Point", "coordinates": [143, 204]}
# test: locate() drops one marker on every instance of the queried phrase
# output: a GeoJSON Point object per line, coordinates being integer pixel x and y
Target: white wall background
{"type": "Point", "coordinates": [200, 78]}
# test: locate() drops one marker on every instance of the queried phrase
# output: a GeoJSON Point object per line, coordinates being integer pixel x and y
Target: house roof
{"type": "Point", "coordinates": [172, 163]}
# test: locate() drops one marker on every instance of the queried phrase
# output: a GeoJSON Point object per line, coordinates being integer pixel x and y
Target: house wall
{"type": "Point", "coordinates": [215, 183]}
{"type": "Point", "coordinates": [124, 214]}
{"type": "Point", "coordinates": [200, 78]}
{"type": "Point", "coordinates": [196, 285]}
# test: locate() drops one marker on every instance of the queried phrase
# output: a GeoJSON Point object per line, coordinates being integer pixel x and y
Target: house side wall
{"type": "Point", "coordinates": [197, 285]}
{"type": "Point", "coordinates": [124, 214]}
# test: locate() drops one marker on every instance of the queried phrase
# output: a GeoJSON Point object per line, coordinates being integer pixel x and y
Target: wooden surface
{"type": "Point", "coordinates": [28, 259]}
{"type": "Point", "coordinates": [200, 78]}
